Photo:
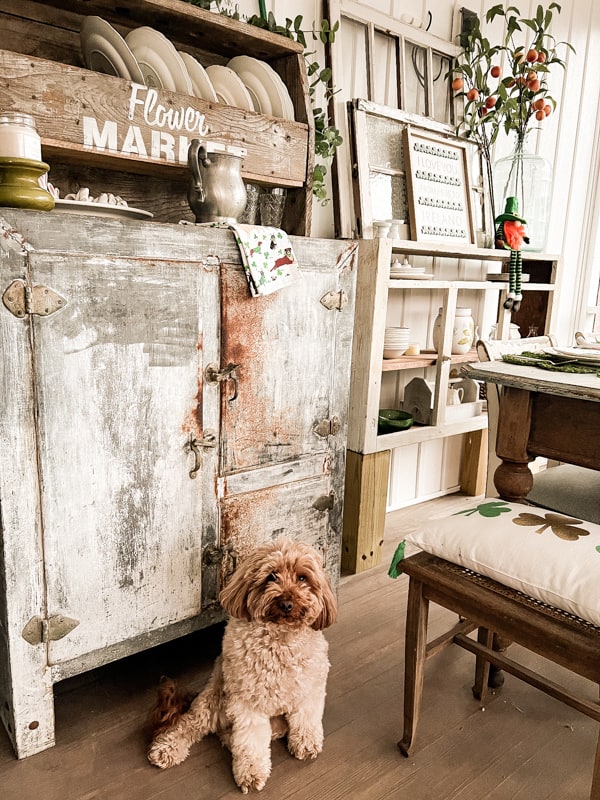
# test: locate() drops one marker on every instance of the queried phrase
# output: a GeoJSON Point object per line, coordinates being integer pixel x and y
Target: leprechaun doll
{"type": "Point", "coordinates": [510, 234]}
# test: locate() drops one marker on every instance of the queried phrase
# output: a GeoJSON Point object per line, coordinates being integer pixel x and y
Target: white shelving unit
{"type": "Point", "coordinates": [369, 453]}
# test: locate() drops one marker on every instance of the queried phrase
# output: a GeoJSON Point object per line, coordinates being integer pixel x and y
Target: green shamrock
{"type": "Point", "coordinates": [491, 509]}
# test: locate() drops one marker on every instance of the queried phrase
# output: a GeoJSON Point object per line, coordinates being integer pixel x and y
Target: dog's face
{"type": "Point", "coordinates": [282, 582]}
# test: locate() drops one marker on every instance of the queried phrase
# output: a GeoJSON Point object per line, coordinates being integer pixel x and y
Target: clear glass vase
{"type": "Point", "coordinates": [528, 177]}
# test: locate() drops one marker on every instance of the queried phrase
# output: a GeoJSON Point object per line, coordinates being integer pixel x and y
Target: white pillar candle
{"type": "Point", "coordinates": [18, 136]}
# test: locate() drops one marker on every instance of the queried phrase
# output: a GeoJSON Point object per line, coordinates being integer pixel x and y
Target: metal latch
{"type": "Point", "coordinates": [194, 446]}
{"type": "Point", "coordinates": [21, 298]}
{"type": "Point", "coordinates": [39, 630]}
{"type": "Point", "coordinates": [327, 427]}
{"type": "Point", "coordinates": [335, 300]}
{"type": "Point", "coordinates": [213, 375]}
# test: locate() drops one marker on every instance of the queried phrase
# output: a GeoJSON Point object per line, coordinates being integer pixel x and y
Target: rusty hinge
{"type": "Point", "coordinates": [39, 630]}
{"type": "Point", "coordinates": [327, 427]}
{"type": "Point", "coordinates": [21, 298]}
{"type": "Point", "coordinates": [335, 300]}
{"type": "Point", "coordinates": [223, 557]}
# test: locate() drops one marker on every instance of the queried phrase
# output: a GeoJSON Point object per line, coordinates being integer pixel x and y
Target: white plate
{"type": "Point", "coordinates": [104, 50]}
{"type": "Point", "coordinates": [100, 209]}
{"type": "Point", "coordinates": [229, 87]}
{"type": "Point", "coordinates": [266, 84]}
{"type": "Point", "coordinates": [200, 81]}
{"type": "Point", "coordinates": [161, 65]}
{"type": "Point", "coordinates": [581, 354]}
{"type": "Point", "coordinates": [258, 93]}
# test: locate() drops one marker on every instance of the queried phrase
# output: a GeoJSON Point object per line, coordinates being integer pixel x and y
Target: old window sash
{"type": "Point", "coordinates": [380, 187]}
{"type": "Point", "coordinates": [384, 61]}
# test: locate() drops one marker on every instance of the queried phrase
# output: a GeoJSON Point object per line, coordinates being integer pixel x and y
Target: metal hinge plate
{"type": "Point", "coordinates": [324, 502]}
{"type": "Point", "coordinates": [335, 300]}
{"type": "Point", "coordinates": [21, 299]}
{"type": "Point", "coordinates": [327, 427]}
{"type": "Point", "coordinates": [39, 630]}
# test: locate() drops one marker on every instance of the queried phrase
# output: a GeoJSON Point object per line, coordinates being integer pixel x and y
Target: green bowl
{"type": "Point", "coordinates": [390, 420]}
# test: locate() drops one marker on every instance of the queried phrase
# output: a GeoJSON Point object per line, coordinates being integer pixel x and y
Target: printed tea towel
{"type": "Point", "coordinates": [268, 259]}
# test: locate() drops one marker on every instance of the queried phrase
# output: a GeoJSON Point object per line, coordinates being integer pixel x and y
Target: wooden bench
{"type": "Point", "coordinates": [492, 608]}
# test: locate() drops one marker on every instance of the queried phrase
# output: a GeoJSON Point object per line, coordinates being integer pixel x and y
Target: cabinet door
{"type": "Point", "coordinates": [285, 345]}
{"type": "Point", "coordinates": [283, 428]}
{"type": "Point", "coordinates": [117, 381]}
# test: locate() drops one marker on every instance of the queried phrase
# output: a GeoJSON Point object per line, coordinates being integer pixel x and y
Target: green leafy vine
{"type": "Point", "coordinates": [327, 137]}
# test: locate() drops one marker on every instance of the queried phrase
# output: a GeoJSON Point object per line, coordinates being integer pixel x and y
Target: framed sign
{"type": "Point", "coordinates": [438, 188]}
{"type": "Point", "coordinates": [381, 173]}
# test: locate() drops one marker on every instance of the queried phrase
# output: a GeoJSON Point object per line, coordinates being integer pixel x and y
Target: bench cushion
{"type": "Point", "coordinates": [548, 556]}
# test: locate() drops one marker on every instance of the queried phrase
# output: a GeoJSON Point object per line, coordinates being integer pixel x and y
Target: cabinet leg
{"type": "Point", "coordinates": [365, 500]}
{"type": "Point", "coordinates": [26, 699]}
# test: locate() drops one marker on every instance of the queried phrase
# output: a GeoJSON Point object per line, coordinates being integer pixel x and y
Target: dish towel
{"type": "Point", "coordinates": [268, 259]}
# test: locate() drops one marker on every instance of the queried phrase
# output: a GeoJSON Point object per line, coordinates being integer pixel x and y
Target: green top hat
{"type": "Point", "coordinates": [511, 212]}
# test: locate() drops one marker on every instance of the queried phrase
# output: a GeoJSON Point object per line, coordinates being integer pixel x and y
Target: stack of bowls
{"type": "Point", "coordinates": [395, 342]}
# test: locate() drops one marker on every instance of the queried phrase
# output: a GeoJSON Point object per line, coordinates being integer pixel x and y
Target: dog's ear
{"type": "Point", "coordinates": [234, 595]}
{"type": "Point", "coordinates": [329, 608]}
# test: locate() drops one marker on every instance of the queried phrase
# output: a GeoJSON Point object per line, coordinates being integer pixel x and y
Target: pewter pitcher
{"type": "Point", "coordinates": [216, 190]}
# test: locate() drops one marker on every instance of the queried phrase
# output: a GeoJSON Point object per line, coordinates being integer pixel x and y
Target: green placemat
{"type": "Point", "coordinates": [546, 361]}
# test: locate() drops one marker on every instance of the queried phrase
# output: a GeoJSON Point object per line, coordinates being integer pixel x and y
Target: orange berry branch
{"type": "Point", "coordinates": [505, 85]}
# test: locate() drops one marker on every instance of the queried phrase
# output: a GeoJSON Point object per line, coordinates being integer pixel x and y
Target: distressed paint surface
{"type": "Point", "coordinates": [109, 523]}
{"type": "Point", "coordinates": [117, 375]}
{"type": "Point", "coordinates": [285, 373]}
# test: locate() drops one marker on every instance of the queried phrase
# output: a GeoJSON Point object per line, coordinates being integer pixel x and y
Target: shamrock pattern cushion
{"type": "Point", "coordinates": [546, 555]}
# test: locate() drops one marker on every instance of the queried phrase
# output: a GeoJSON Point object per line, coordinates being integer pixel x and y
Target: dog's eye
{"type": "Point", "coordinates": [272, 577]}
{"type": "Point", "coordinates": [302, 578]}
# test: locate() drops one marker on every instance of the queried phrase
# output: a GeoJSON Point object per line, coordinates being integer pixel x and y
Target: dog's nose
{"type": "Point", "coordinates": [286, 606]}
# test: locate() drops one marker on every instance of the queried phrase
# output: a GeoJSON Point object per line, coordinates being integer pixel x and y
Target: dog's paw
{"type": "Point", "coordinates": [167, 751]}
{"type": "Point", "coordinates": [253, 783]}
{"type": "Point", "coordinates": [305, 747]}
{"type": "Point", "coordinates": [250, 777]}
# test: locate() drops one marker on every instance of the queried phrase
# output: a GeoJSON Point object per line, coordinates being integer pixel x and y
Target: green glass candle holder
{"type": "Point", "coordinates": [19, 186]}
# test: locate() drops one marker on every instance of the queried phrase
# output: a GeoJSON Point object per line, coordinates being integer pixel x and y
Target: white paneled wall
{"type": "Point", "coordinates": [568, 139]}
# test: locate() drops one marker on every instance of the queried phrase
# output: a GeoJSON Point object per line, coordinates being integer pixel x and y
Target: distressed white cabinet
{"type": "Point", "coordinates": [154, 427]}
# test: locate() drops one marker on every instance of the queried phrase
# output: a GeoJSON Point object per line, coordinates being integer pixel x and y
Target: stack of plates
{"type": "Point", "coordinates": [268, 92]}
{"type": "Point", "coordinates": [147, 57]}
{"type": "Point", "coordinates": [395, 342]}
{"type": "Point", "coordinates": [398, 270]}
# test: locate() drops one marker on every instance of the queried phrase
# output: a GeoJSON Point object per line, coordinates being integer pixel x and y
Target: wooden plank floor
{"type": "Point", "coordinates": [521, 746]}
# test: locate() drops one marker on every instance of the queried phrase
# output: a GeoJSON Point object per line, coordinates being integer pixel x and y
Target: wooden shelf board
{"type": "Point", "coordinates": [423, 433]}
{"type": "Point", "coordinates": [427, 358]}
{"type": "Point", "coordinates": [463, 251]}
{"type": "Point", "coordinates": [402, 283]}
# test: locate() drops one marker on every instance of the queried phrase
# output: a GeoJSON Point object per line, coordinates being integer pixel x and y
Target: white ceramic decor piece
{"type": "Point", "coordinates": [463, 332]}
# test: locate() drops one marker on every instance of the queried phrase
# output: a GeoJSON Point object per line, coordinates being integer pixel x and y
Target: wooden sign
{"type": "Point", "coordinates": [106, 121]}
{"type": "Point", "coordinates": [438, 188]}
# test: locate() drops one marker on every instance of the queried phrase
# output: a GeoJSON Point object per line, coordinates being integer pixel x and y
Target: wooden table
{"type": "Point", "coordinates": [542, 413]}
